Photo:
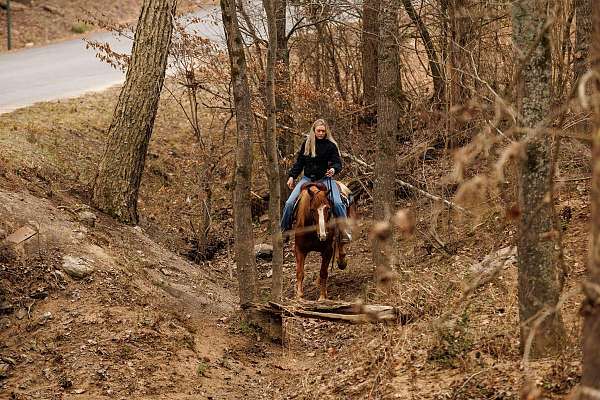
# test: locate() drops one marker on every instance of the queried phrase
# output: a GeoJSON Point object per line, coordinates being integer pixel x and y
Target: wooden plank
{"type": "Point", "coordinates": [20, 235]}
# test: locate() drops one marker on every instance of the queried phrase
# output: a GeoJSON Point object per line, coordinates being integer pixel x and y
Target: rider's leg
{"type": "Point", "coordinates": [288, 210]}
{"type": "Point", "coordinates": [339, 210]}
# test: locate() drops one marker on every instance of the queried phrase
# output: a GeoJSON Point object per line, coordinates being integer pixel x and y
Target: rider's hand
{"type": "Point", "coordinates": [290, 183]}
{"type": "Point", "coordinates": [330, 172]}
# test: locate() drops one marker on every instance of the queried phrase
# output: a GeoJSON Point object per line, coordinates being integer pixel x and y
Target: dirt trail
{"type": "Point", "coordinates": [145, 324]}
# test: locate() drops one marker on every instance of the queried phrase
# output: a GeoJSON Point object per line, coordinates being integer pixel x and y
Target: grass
{"type": "Point", "coordinates": [80, 27]}
{"type": "Point", "coordinates": [201, 369]}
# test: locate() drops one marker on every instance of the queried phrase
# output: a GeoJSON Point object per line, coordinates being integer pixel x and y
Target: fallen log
{"type": "Point", "coordinates": [342, 312]}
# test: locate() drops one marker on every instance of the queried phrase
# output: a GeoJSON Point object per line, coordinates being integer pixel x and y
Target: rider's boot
{"type": "Point", "coordinates": [345, 232]}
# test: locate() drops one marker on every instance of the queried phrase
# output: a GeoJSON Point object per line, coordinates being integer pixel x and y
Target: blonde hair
{"type": "Point", "coordinates": [310, 146]}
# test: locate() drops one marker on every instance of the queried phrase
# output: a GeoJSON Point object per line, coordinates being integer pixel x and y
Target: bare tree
{"type": "Point", "coordinates": [119, 173]}
{"type": "Point", "coordinates": [194, 61]}
{"type": "Point", "coordinates": [434, 64]}
{"type": "Point", "coordinates": [389, 91]}
{"type": "Point", "coordinates": [285, 140]}
{"type": "Point", "coordinates": [460, 24]}
{"type": "Point", "coordinates": [539, 281]}
{"type": "Point", "coordinates": [271, 150]}
{"type": "Point", "coordinates": [244, 241]}
{"type": "Point", "coordinates": [370, 31]}
{"type": "Point", "coordinates": [590, 381]}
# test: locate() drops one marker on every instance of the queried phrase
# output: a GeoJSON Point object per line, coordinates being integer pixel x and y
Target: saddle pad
{"type": "Point", "coordinates": [345, 194]}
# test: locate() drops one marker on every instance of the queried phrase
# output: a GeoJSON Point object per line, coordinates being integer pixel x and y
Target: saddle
{"type": "Point", "coordinates": [345, 194]}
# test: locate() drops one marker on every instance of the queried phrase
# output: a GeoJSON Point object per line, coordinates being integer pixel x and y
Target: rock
{"type": "Point", "coordinates": [4, 323]}
{"type": "Point", "coordinates": [78, 235]}
{"type": "Point", "coordinates": [52, 10]}
{"type": "Point", "coordinates": [263, 251]}
{"type": "Point", "coordinates": [9, 360]}
{"type": "Point", "coordinates": [3, 234]}
{"type": "Point", "coordinates": [6, 308]}
{"type": "Point", "coordinates": [270, 273]}
{"type": "Point", "coordinates": [4, 370]}
{"type": "Point", "coordinates": [76, 267]}
{"type": "Point", "coordinates": [87, 217]}
{"type": "Point", "coordinates": [47, 316]}
{"type": "Point", "coordinates": [39, 294]}
{"type": "Point", "coordinates": [504, 257]}
{"type": "Point", "coordinates": [21, 313]}
{"type": "Point", "coordinates": [263, 218]}
{"type": "Point", "coordinates": [29, 44]}
{"type": "Point", "coordinates": [59, 275]}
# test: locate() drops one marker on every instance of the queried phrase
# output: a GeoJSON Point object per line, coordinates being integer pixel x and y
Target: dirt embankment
{"type": "Point", "coordinates": [136, 321]}
{"type": "Point", "coordinates": [39, 22]}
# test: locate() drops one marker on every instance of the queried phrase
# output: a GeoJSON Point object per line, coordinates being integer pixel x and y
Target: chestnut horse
{"type": "Point", "coordinates": [314, 231]}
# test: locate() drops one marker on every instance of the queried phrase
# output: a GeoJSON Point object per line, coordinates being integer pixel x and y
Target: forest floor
{"type": "Point", "coordinates": [149, 323]}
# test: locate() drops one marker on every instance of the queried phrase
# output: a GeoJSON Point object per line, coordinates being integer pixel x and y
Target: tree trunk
{"type": "Point", "coordinates": [583, 30]}
{"type": "Point", "coordinates": [334, 66]}
{"type": "Point", "coordinates": [539, 283]}
{"type": "Point", "coordinates": [120, 171]}
{"type": "Point", "coordinates": [388, 113]}
{"type": "Point", "coordinates": [285, 140]}
{"type": "Point", "coordinates": [320, 73]}
{"type": "Point", "coordinates": [590, 381]}
{"type": "Point", "coordinates": [434, 64]}
{"type": "Point", "coordinates": [244, 241]}
{"type": "Point", "coordinates": [369, 42]}
{"type": "Point", "coordinates": [272, 159]}
{"type": "Point", "coordinates": [206, 181]}
{"type": "Point", "coordinates": [460, 34]}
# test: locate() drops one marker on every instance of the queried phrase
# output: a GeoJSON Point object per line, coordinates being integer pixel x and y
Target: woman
{"type": "Point", "coordinates": [319, 158]}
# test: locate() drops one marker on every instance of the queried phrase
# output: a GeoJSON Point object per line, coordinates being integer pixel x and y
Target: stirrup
{"type": "Point", "coordinates": [345, 236]}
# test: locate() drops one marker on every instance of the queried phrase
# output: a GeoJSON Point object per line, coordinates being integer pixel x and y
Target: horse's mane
{"type": "Point", "coordinates": [302, 211]}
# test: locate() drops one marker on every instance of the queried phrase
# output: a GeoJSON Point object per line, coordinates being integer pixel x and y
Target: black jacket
{"type": "Point", "coordinates": [327, 156]}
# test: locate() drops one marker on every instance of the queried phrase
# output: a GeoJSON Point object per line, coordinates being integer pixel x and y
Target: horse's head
{"type": "Point", "coordinates": [320, 207]}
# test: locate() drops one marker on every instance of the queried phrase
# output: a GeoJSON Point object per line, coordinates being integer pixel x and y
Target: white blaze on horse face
{"type": "Point", "coordinates": [322, 231]}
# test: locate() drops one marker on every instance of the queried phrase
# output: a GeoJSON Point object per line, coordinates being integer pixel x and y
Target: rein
{"type": "Point", "coordinates": [330, 196]}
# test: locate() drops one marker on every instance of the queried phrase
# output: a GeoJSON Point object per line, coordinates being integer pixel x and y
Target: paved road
{"type": "Point", "coordinates": [68, 69]}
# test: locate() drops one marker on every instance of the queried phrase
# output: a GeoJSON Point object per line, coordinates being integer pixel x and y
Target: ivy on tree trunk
{"type": "Point", "coordinates": [539, 280]}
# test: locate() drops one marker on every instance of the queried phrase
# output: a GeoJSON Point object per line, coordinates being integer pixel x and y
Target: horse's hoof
{"type": "Point", "coordinates": [342, 264]}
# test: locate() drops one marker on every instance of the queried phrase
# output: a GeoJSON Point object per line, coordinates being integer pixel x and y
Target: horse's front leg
{"type": "Point", "coordinates": [300, 258]}
{"type": "Point", "coordinates": [323, 274]}
{"type": "Point", "coordinates": [341, 256]}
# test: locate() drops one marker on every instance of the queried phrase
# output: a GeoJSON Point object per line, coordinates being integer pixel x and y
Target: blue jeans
{"type": "Point", "coordinates": [339, 209]}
